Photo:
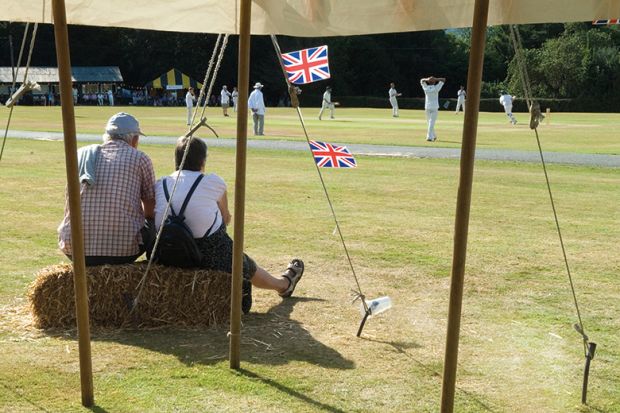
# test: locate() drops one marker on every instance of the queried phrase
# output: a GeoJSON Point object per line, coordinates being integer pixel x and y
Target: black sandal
{"type": "Point", "coordinates": [293, 274]}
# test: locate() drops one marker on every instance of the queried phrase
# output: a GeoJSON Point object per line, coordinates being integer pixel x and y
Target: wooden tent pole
{"type": "Point", "coordinates": [461, 224]}
{"type": "Point", "coordinates": [243, 81]}
{"type": "Point", "coordinates": [73, 188]}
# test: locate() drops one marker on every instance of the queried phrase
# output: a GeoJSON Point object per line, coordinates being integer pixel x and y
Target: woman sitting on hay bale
{"type": "Point", "coordinates": [206, 214]}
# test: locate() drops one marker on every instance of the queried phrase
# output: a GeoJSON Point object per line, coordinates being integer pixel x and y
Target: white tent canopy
{"type": "Point", "coordinates": [307, 18]}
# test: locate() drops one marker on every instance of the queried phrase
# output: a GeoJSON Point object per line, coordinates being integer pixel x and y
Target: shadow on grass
{"type": "Point", "coordinates": [97, 409]}
{"type": "Point", "coordinates": [22, 396]}
{"type": "Point", "coordinates": [447, 141]}
{"type": "Point", "coordinates": [270, 338]}
{"type": "Point", "coordinates": [589, 408]}
{"type": "Point", "coordinates": [402, 349]}
{"type": "Point", "coordinates": [284, 389]}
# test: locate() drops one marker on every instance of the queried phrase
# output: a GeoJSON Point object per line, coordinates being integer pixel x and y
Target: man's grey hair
{"type": "Point", "coordinates": [127, 137]}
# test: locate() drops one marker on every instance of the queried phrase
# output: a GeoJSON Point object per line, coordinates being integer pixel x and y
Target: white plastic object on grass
{"type": "Point", "coordinates": [377, 306]}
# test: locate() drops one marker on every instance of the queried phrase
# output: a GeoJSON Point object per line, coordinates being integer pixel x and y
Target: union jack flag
{"type": "Point", "coordinates": [327, 155]}
{"type": "Point", "coordinates": [605, 22]}
{"type": "Point", "coordinates": [307, 65]}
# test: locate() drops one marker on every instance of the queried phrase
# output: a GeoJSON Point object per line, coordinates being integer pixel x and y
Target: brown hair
{"type": "Point", "coordinates": [196, 155]}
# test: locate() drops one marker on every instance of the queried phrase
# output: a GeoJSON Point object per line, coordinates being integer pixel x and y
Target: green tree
{"type": "Point", "coordinates": [581, 62]}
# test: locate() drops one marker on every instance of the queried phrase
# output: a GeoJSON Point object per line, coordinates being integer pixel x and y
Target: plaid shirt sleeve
{"type": "Point", "coordinates": [147, 178]}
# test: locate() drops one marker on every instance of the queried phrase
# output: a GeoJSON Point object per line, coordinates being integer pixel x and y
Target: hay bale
{"type": "Point", "coordinates": [170, 296]}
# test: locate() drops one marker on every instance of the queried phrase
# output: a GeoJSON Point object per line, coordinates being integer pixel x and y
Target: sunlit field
{"type": "Point", "coordinates": [518, 350]}
{"type": "Point", "coordinates": [565, 132]}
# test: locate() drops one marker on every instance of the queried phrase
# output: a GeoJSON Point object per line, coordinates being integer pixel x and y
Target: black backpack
{"type": "Point", "coordinates": [177, 246]}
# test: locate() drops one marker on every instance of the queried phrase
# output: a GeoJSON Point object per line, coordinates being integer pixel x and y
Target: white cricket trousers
{"type": "Point", "coordinates": [394, 104]}
{"type": "Point", "coordinates": [460, 104]}
{"type": "Point", "coordinates": [508, 110]}
{"type": "Point", "coordinates": [189, 115]}
{"type": "Point", "coordinates": [431, 118]}
{"type": "Point", "coordinates": [329, 106]}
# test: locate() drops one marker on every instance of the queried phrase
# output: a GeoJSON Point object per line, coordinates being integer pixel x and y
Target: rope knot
{"type": "Point", "coordinates": [293, 91]}
{"type": "Point", "coordinates": [536, 115]}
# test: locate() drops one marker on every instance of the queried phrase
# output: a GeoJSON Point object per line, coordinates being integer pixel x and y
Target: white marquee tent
{"type": "Point", "coordinates": [306, 18]}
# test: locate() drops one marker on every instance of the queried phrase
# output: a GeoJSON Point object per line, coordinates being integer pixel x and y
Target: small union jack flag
{"type": "Point", "coordinates": [327, 155]}
{"type": "Point", "coordinates": [605, 22]}
{"type": "Point", "coordinates": [307, 65]}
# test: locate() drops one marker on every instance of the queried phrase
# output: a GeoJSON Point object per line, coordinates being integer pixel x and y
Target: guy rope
{"type": "Point", "coordinates": [206, 94]}
{"type": "Point", "coordinates": [190, 134]}
{"type": "Point", "coordinates": [26, 85]}
{"type": "Point", "coordinates": [535, 118]}
{"type": "Point", "coordinates": [293, 92]}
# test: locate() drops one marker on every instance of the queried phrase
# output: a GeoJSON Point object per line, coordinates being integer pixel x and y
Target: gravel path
{"type": "Point", "coordinates": [608, 161]}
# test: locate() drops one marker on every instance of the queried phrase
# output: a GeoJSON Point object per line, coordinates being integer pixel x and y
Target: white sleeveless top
{"type": "Point", "coordinates": [202, 209]}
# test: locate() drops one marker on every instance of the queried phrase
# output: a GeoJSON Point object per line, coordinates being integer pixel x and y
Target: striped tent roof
{"type": "Point", "coordinates": [174, 79]}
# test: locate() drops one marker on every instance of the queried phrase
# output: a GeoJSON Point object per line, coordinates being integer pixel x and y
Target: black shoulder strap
{"type": "Point", "coordinates": [163, 182]}
{"type": "Point", "coordinates": [190, 193]}
{"type": "Point", "coordinates": [212, 225]}
{"type": "Point", "coordinates": [187, 198]}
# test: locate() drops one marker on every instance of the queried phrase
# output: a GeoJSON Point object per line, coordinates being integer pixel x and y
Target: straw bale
{"type": "Point", "coordinates": [170, 296]}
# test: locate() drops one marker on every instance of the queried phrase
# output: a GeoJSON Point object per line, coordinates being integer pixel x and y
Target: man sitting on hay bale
{"type": "Point", "coordinates": [117, 195]}
{"type": "Point", "coordinates": [206, 214]}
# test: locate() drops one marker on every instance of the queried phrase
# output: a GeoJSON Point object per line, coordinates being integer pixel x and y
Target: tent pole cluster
{"type": "Point", "coordinates": [463, 202]}
{"type": "Point", "coordinates": [73, 189]}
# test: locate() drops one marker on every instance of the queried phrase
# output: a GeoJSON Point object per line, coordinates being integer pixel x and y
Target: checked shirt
{"type": "Point", "coordinates": [112, 213]}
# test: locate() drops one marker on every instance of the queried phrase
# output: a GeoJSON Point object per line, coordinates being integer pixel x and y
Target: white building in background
{"type": "Point", "coordinates": [88, 80]}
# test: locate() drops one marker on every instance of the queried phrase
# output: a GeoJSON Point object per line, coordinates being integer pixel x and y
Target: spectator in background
{"type": "Point", "coordinates": [110, 97]}
{"type": "Point", "coordinates": [235, 98]}
{"type": "Point", "coordinates": [225, 99]}
{"type": "Point", "coordinates": [256, 103]}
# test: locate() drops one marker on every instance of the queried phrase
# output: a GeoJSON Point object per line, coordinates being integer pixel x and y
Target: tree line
{"type": "Point", "coordinates": [565, 61]}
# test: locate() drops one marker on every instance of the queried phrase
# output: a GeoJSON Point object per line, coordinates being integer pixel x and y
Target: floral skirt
{"type": "Point", "coordinates": [217, 249]}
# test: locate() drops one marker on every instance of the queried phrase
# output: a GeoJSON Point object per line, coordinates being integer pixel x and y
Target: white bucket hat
{"type": "Point", "coordinates": [258, 85]}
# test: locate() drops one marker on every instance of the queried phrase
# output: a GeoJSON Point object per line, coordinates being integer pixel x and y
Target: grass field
{"type": "Point", "coordinates": [518, 350]}
{"type": "Point", "coordinates": [566, 132]}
